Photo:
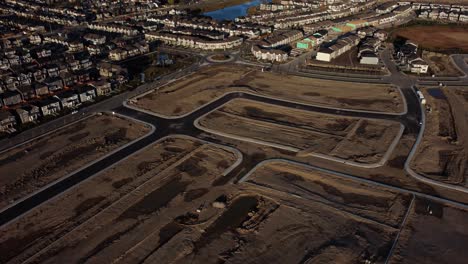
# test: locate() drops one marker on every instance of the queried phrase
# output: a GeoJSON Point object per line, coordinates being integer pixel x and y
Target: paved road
{"type": "Point", "coordinates": [165, 127]}
{"type": "Point", "coordinates": [103, 106]}
{"type": "Point", "coordinates": [185, 126]}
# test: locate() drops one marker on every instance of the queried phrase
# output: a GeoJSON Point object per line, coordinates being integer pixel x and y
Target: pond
{"type": "Point", "coordinates": [436, 93]}
{"type": "Point", "coordinates": [233, 12]}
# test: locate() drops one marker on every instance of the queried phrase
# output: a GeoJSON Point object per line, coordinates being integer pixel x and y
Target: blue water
{"type": "Point", "coordinates": [233, 12]}
{"type": "Point", "coordinates": [436, 93]}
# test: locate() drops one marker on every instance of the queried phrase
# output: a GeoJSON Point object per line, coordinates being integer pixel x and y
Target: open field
{"type": "Point", "coordinates": [434, 233]}
{"type": "Point", "coordinates": [212, 82]}
{"type": "Point", "coordinates": [360, 140]}
{"type": "Point", "coordinates": [438, 37]}
{"type": "Point", "coordinates": [442, 153]}
{"type": "Point", "coordinates": [440, 64]}
{"type": "Point", "coordinates": [377, 203]}
{"type": "Point", "coordinates": [29, 167]}
{"type": "Point", "coordinates": [106, 217]}
{"type": "Point", "coordinates": [268, 225]}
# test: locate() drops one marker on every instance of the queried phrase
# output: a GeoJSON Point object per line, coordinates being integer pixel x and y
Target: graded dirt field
{"type": "Point", "coordinates": [112, 215]}
{"type": "Point", "coordinates": [374, 202]}
{"type": "Point", "coordinates": [359, 140]}
{"type": "Point", "coordinates": [31, 166]}
{"type": "Point", "coordinates": [436, 37]}
{"type": "Point", "coordinates": [440, 64]}
{"type": "Point", "coordinates": [442, 154]}
{"type": "Point", "coordinates": [212, 82]}
{"type": "Point", "coordinates": [316, 224]}
{"type": "Point", "coordinates": [434, 233]}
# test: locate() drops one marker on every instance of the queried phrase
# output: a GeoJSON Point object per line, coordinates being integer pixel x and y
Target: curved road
{"type": "Point", "coordinates": [185, 126]}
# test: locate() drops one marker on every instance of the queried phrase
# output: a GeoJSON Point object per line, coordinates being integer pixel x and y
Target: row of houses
{"type": "Point", "coordinates": [272, 55]}
{"type": "Point", "coordinates": [129, 51]}
{"type": "Point", "coordinates": [444, 14]}
{"type": "Point", "coordinates": [281, 38]}
{"type": "Point", "coordinates": [303, 15]}
{"type": "Point", "coordinates": [194, 42]}
{"type": "Point", "coordinates": [248, 30]}
{"type": "Point", "coordinates": [33, 111]}
{"type": "Point", "coordinates": [12, 97]}
{"type": "Point", "coordinates": [409, 60]}
{"type": "Point", "coordinates": [114, 28]}
{"type": "Point", "coordinates": [332, 50]}
{"type": "Point", "coordinates": [312, 41]}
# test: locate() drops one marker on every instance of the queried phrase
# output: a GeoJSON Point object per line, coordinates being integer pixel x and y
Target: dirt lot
{"type": "Point", "coordinates": [434, 233]}
{"type": "Point", "coordinates": [102, 219]}
{"type": "Point", "coordinates": [27, 168]}
{"type": "Point", "coordinates": [436, 37]}
{"type": "Point", "coordinates": [263, 224]}
{"type": "Point", "coordinates": [440, 64]}
{"type": "Point", "coordinates": [442, 153]}
{"type": "Point", "coordinates": [363, 141]}
{"type": "Point", "coordinates": [373, 202]}
{"type": "Point", "coordinates": [212, 82]}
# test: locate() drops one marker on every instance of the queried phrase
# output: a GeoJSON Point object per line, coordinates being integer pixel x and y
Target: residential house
{"type": "Point", "coordinates": [386, 7]}
{"type": "Point", "coordinates": [86, 93]}
{"type": "Point", "coordinates": [103, 88]}
{"type": "Point", "coordinates": [417, 64]}
{"type": "Point", "coordinates": [334, 49]}
{"type": "Point", "coordinates": [118, 54]}
{"type": "Point", "coordinates": [68, 99]}
{"type": "Point", "coordinates": [27, 92]}
{"type": "Point", "coordinates": [273, 55]}
{"type": "Point", "coordinates": [381, 35]}
{"type": "Point", "coordinates": [368, 57]}
{"type": "Point", "coordinates": [28, 113]}
{"type": "Point", "coordinates": [54, 84]}
{"type": "Point", "coordinates": [7, 121]}
{"type": "Point", "coordinates": [11, 97]}
{"type": "Point", "coordinates": [40, 89]}
{"type": "Point", "coordinates": [95, 39]}
{"type": "Point", "coordinates": [48, 106]}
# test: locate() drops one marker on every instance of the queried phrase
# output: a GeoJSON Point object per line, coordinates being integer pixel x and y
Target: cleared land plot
{"type": "Point", "coordinates": [442, 153]}
{"type": "Point", "coordinates": [213, 82]}
{"type": "Point", "coordinates": [103, 218]}
{"type": "Point", "coordinates": [440, 64]}
{"type": "Point", "coordinates": [29, 167]}
{"type": "Point", "coordinates": [434, 233]}
{"type": "Point", "coordinates": [329, 223]}
{"type": "Point", "coordinates": [273, 229]}
{"type": "Point", "coordinates": [353, 139]}
{"type": "Point", "coordinates": [436, 37]}
{"type": "Point", "coordinates": [368, 201]}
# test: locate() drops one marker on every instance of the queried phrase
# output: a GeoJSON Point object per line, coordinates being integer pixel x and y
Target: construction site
{"type": "Point", "coordinates": [246, 166]}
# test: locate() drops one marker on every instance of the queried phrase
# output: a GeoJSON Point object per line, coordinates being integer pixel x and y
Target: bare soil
{"type": "Point", "coordinates": [436, 37]}
{"type": "Point", "coordinates": [348, 138]}
{"type": "Point", "coordinates": [442, 153]}
{"type": "Point", "coordinates": [213, 82]}
{"type": "Point", "coordinates": [373, 202]}
{"type": "Point", "coordinates": [434, 233]}
{"type": "Point", "coordinates": [29, 167]}
{"type": "Point", "coordinates": [287, 214]}
{"type": "Point", "coordinates": [104, 218]}
{"type": "Point", "coordinates": [440, 64]}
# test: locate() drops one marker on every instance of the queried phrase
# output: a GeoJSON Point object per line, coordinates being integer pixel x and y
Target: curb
{"type": "Point", "coordinates": [380, 163]}
{"type": "Point", "coordinates": [153, 129]}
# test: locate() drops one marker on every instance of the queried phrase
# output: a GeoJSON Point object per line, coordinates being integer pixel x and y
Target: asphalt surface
{"type": "Point", "coordinates": [185, 126]}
